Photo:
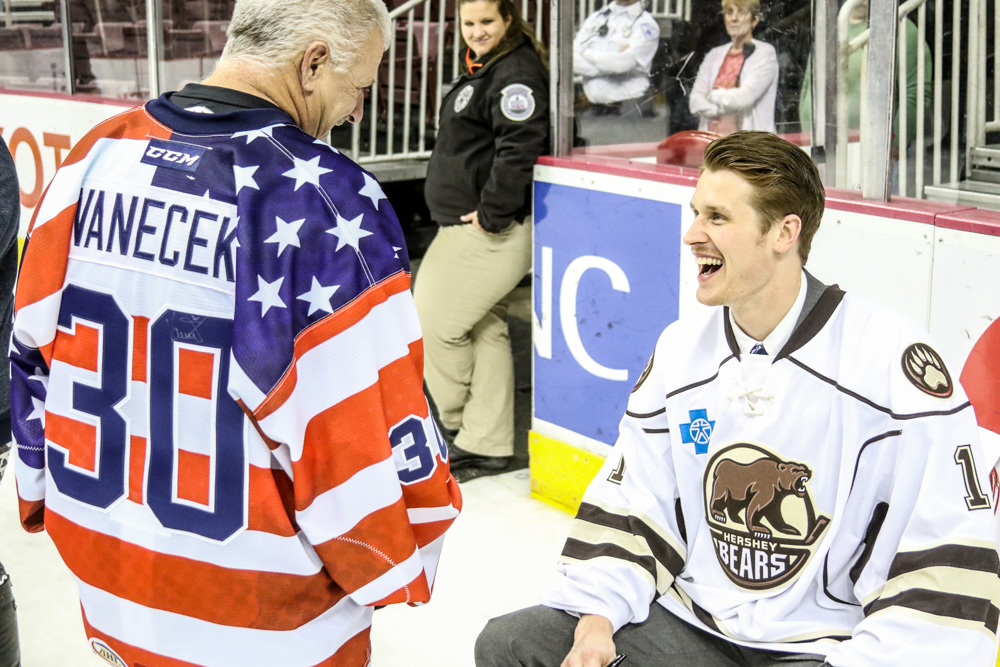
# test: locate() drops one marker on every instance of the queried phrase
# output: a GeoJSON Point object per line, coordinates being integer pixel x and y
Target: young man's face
{"type": "Point", "coordinates": [736, 265]}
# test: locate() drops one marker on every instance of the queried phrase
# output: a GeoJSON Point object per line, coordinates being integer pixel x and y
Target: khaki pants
{"type": "Point", "coordinates": [461, 293]}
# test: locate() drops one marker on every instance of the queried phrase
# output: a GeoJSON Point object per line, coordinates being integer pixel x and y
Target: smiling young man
{"type": "Point", "coordinates": [798, 478]}
{"type": "Point", "coordinates": [217, 366]}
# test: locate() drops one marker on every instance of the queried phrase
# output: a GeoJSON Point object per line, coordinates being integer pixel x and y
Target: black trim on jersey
{"type": "Point", "coordinates": [814, 321]}
{"type": "Point", "coordinates": [646, 415]}
{"type": "Point", "coordinates": [871, 534]}
{"type": "Point", "coordinates": [978, 559]}
{"type": "Point", "coordinates": [734, 347]}
{"type": "Point", "coordinates": [580, 550]}
{"type": "Point", "coordinates": [877, 438]}
{"type": "Point", "coordinates": [681, 524]}
{"type": "Point", "coordinates": [836, 638]}
{"type": "Point", "coordinates": [631, 525]}
{"type": "Point", "coordinates": [872, 404]}
{"type": "Point", "coordinates": [218, 99]}
{"type": "Point", "coordinates": [706, 618]}
{"type": "Point", "coordinates": [656, 430]}
{"type": "Point", "coordinates": [820, 303]}
{"type": "Point", "coordinates": [952, 605]}
{"type": "Point", "coordinates": [706, 380]}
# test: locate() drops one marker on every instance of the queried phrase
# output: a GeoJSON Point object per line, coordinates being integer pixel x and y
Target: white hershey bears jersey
{"type": "Point", "coordinates": [839, 507]}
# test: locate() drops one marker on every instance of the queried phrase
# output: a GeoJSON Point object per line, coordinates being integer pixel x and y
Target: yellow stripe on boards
{"type": "Point", "coordinates": [560, 473]}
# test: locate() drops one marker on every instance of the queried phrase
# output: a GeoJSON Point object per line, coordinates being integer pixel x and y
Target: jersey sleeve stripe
{"type": "Point", "coordinates": [946, 579]}
{"type": "Point", "coordinates": [980, 559]}
{"type": "Point", "coordinates": [946, 607]}
{"type": "Point", "coordinates": [431, 556]}
{"type": "Point", "coordinates": [132, 124]}
{"type": "Point", "coordinates": [249, 550]}
{"type": "Point", "coordinates": [203, 643]}
{"type": "Point", "coordinates": [43, 274]}
{"type": "Point", "coordinates": [30, 497]}
{"type": "Point", "coordinates": [577, 550]}
{"type": "Point", "coordinates": [379, 542]}
{"type": "Point", "coordinates": [671, 555]}
{"type": "Point", "coordinates": [396, 578]}
{"type": "Point", "coordinates": [336, 511]}
{"type": "Point", "coordinates": [431, 514]}
{"type": "Point", "coordinates": [164, 582]}
{"type": "Point", "coordinates": [360, 418]}
{"type": "Point", "coordinates": [381, 321]}
{"type": "Point", "coordinates": [272, 503]}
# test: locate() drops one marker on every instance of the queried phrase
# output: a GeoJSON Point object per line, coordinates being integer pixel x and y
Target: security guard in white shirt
{"type": "Point", "coordinates": [613, 52]}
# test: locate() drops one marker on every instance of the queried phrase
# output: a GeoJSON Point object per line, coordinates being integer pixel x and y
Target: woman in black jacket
{"type": "Point", "coordinates": [494, 124]}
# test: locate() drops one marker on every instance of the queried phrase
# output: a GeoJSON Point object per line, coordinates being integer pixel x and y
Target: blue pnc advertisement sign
{"type": "Point", "coordinates": [605, 285]}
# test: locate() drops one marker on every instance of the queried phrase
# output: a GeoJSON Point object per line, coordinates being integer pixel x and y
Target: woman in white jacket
{"type": "Point", "coordinates": [737, 83]}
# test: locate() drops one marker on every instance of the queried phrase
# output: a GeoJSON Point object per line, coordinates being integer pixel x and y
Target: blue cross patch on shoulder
{"type": "Point", "coordinates": [698, 431]}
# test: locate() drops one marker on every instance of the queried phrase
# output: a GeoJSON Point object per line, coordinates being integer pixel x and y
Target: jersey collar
{"type": "Point", "coordinates": [191, 122]}
{"type": "Point", "coordinates": [818, 306]}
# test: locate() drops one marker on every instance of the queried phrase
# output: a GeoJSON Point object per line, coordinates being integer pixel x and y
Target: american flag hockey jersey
{"type": "Point", "coordinates": [217, 394]}
{"type": "Point", "coordinates": [830, 499]}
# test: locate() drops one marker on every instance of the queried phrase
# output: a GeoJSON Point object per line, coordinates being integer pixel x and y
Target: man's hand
{"type": "Point", "coordinates": [592, 643]}
{"type": "Point", "coordinates": [474, 219]}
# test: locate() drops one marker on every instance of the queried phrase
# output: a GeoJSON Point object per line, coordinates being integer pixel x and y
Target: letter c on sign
{"type": "Point", "coordinates": [567, 311]}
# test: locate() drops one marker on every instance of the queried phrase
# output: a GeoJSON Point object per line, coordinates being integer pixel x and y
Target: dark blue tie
{"type": "Point", "coordinates": [758, 349]}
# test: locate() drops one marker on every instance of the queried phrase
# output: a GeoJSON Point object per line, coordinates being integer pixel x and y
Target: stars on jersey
{"type": "Point", "coordinates": [268, 295]}
{"type": "Point", "coordinates": [37, 410]}
{"type": "Point", "coordinates": [319, 296]}
{"type": "Point", "coordinates": [315, 233]}
{"type": "Point", "coordinates": [244, 177]}
{"type": "Point", "coordinates": [372, 190]}
{"type": "Point", "coordinates": [306, 171]}
{"type": "Point", "coordinates": [250, 135]}
{"type": "Point", "coordinates": [349, 232]}
{"type": "Point", "coordinates": [287, 234]}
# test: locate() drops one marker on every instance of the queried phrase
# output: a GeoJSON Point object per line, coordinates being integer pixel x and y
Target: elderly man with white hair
{"type": "Point", "coordinates": [217, 365]}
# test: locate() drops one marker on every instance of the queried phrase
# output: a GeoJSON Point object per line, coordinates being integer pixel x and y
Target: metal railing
{"type": "Point", "coordinates": [429, 48]}
{"type": "Point", "coordinates": [935, 133]}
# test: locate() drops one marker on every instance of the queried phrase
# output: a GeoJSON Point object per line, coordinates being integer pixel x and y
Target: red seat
{"type": "Point", "coordinates": [685, 149]}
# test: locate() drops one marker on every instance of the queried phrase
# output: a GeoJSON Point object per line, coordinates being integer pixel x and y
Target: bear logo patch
{"type": "Point", "coordinates": [762, 518]}
{"type": "Point", "coordinates": [926, 371]}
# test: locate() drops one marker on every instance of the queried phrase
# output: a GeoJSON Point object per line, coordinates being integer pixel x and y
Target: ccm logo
{"type": "Point", "coordinates": [173, 155]}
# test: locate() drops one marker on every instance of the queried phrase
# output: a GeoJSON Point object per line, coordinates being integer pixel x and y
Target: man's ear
{"type": "Point", "coordinates": [789, 229]}
{"type": "Point", "coordinates": [315, 57]}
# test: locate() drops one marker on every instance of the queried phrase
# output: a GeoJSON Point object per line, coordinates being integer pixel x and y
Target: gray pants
{"type": "Point", "coordinates": [541, 637]}
{"type": "Point", "coordinates": [10, 651]}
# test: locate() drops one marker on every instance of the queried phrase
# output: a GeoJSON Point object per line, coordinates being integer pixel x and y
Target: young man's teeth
{"type": "Point", "coordinates": [708, 260]}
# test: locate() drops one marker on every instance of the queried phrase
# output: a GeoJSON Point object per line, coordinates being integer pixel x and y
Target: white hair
{"type": "Point", "coordinates": [269, 32]}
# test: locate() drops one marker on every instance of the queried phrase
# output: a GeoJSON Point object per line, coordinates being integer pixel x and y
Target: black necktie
{"type": "Point", "coordinates": [758, 349]}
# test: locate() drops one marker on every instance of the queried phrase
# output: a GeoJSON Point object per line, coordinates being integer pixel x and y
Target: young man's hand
{"type": "Point", "coordinates": [592, 643]}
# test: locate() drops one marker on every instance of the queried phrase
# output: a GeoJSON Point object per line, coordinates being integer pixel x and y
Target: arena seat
{"type": "Point", "coordinates": [684, 149]}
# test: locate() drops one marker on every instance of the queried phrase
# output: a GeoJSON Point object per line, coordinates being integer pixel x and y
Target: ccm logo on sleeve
{"type": "Point", "coordinates": [173, 155]}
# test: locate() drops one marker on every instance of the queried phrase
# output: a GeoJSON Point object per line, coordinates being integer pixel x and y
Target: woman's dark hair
{"type": "Point", "coordinates": [518, 26]}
